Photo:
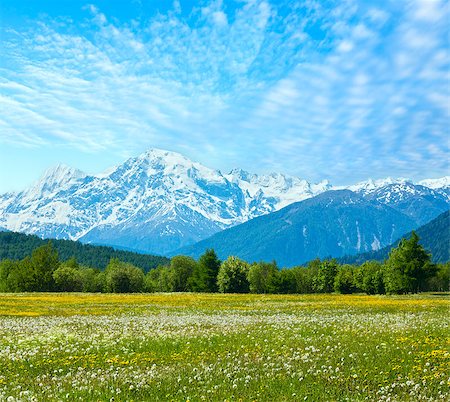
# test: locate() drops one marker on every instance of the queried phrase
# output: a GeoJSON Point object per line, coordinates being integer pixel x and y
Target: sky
{"type": "Point", "coordinates": [342, 90]}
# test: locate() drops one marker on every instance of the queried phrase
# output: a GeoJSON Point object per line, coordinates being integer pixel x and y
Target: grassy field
{"type": "Point", "coordinates": [160, 347]}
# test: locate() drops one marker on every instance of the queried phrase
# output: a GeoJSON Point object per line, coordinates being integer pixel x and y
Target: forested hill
{"type": "Point", "coordinates": [16, 246]}
{"type": "Point", "coordinates": [434, 237]}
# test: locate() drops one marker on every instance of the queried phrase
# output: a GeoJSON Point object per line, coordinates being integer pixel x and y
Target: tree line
{"type": "Point", "coordinates": [407, 270]}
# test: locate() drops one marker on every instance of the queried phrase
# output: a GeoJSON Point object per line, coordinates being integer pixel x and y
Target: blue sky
{"type": "Point", "coordinates": [343, 90]}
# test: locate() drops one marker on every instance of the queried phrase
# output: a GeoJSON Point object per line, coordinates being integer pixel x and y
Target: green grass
{"type": "Point", "coordinates": [180, 347]}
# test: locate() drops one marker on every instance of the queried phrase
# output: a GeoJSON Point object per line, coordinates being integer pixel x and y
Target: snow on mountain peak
{"type": "Point", "coordinates": [370, 185]}
{"type": "Point", "coordinates": [161, 192]}
{"type": "Point", "coordinates": [238, 174]}
{"type": "Point", "coordinates": [57, 178]}
{"type": "Point", "coordinates": [443, 182]}
{"type": "Point", "coordinates": [320, 187]}
{"type": "Point", "coordinates": [176, 165]}
{"type": "Point", "coordinates": [167, 157]}
{"type": "Point", "coordinates": [62, 172]}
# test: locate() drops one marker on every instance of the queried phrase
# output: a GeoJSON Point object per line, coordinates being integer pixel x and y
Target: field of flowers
{"type": "Point", "coordinates": [159, 347]}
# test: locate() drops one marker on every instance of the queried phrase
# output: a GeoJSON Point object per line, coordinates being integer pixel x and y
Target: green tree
{"type": "Point", "coordinates": [21, 277]}
{"type": "Point", "coordinates": [204, 277]}
{"type": "Point", "coordinates": [72, 263]}
{"type": "Point", "coordinates": [285, 282]}
{"type": "Point", "coordinates": [100, 281]}
{"type": "Point", "coordinates": [344, 281]}
{"type": "Point", "coordinates": [304, 279]}
{"type": "Point", "coordinates": [158, 280]}
{"type": "Point", "coordinates": [44, 262]}
{"type": "Point", "coordinates": [17, 246]}
{"type": "Point", "coordinates": [181, 269]}
{"type": "Point", "coordinates": [6, 267]}
{"type": "Point", "coordinates": [440, 282]}
{"type": "Point", "coordinates": [261, 277]}
{"type": "Point", "coordinates": [408, 267]}
{"type": "Point", "coordinates": [324, 278]}
{"type": "Point", "coordinates": [93, 280]}
{"type": "Point", "coordinates": [369, 278]}
{"type": "Point", "coordinates": [151, 281]}
{"type": "Point", "coordinates": [122, 277]}
{"type": "Point", "coordinates": [232, 277]}
{"type": "Point", "coordinates": [68, 279]}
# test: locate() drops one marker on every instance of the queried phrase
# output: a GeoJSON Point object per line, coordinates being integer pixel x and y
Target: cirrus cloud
{"type": "Point", "coordinates": [344, 90]}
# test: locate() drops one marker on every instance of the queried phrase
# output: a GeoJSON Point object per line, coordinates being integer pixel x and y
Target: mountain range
{"type": "Point", "coordinates": [332, 224]}
{"type": "Point", "coordinates": [161, 202]}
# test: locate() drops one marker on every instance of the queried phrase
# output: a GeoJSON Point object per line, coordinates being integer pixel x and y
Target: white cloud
{"type": "Point", "coordinates": [220, 18]}
{"type": "Point", "coordinates": [429, 10]}
{"type": "Point", "coordinates": [345, 46]}
{"type": "Point", "coordinates": [301, 89]}
{"type": "Point", "coordinates": [378, 16]}
{"type": "Point", "coordinates": [177, 7]}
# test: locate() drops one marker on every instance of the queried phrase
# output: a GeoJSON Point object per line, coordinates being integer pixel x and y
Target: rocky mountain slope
{"type": "Point", "coordinates": [434, 237]}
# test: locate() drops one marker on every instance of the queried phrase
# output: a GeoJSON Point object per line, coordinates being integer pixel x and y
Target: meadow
{"type": "Point", "coordinates": [219, 347]}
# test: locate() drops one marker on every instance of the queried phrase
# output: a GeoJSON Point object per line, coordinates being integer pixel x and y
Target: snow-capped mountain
{"type": "Point", "coordinates": [441, 186]}
{"type": "Point", "coordinates": [155, 202]}
{"type": "Point", "coordinates": [368, 186]}
{"type": "Point", "coordinates": [422, 201]}
{"type": "Point", "coordinates": [161, 200]}
{"type": "Point", "coordinates": [280, 188]}
{"type": "Point", "coordinates": [443, 182]}
{"type": "Point", "coordinates": [402, 185]}
{"type": "Point", "coordinates": [414, 200]}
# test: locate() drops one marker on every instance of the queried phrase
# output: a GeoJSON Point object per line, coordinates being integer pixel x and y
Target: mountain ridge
{"type": "Point", "coordinates": [333, 223]}
{"type": "Point", "coordinates": [160, 201]}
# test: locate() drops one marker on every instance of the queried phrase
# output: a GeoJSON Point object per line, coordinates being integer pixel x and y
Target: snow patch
{"type": "Point", "coordinates": [358, 233]}
{"type": "Point", "coordinates": [376, 244]}
{"type": "Point", "coordinates": [443, 182]}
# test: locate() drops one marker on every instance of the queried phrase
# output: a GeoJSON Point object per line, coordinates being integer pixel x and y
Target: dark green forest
{"type": "Point", "coordinates": [408, 269]}
{"type": "Point", "coordinates": [16, 246]}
